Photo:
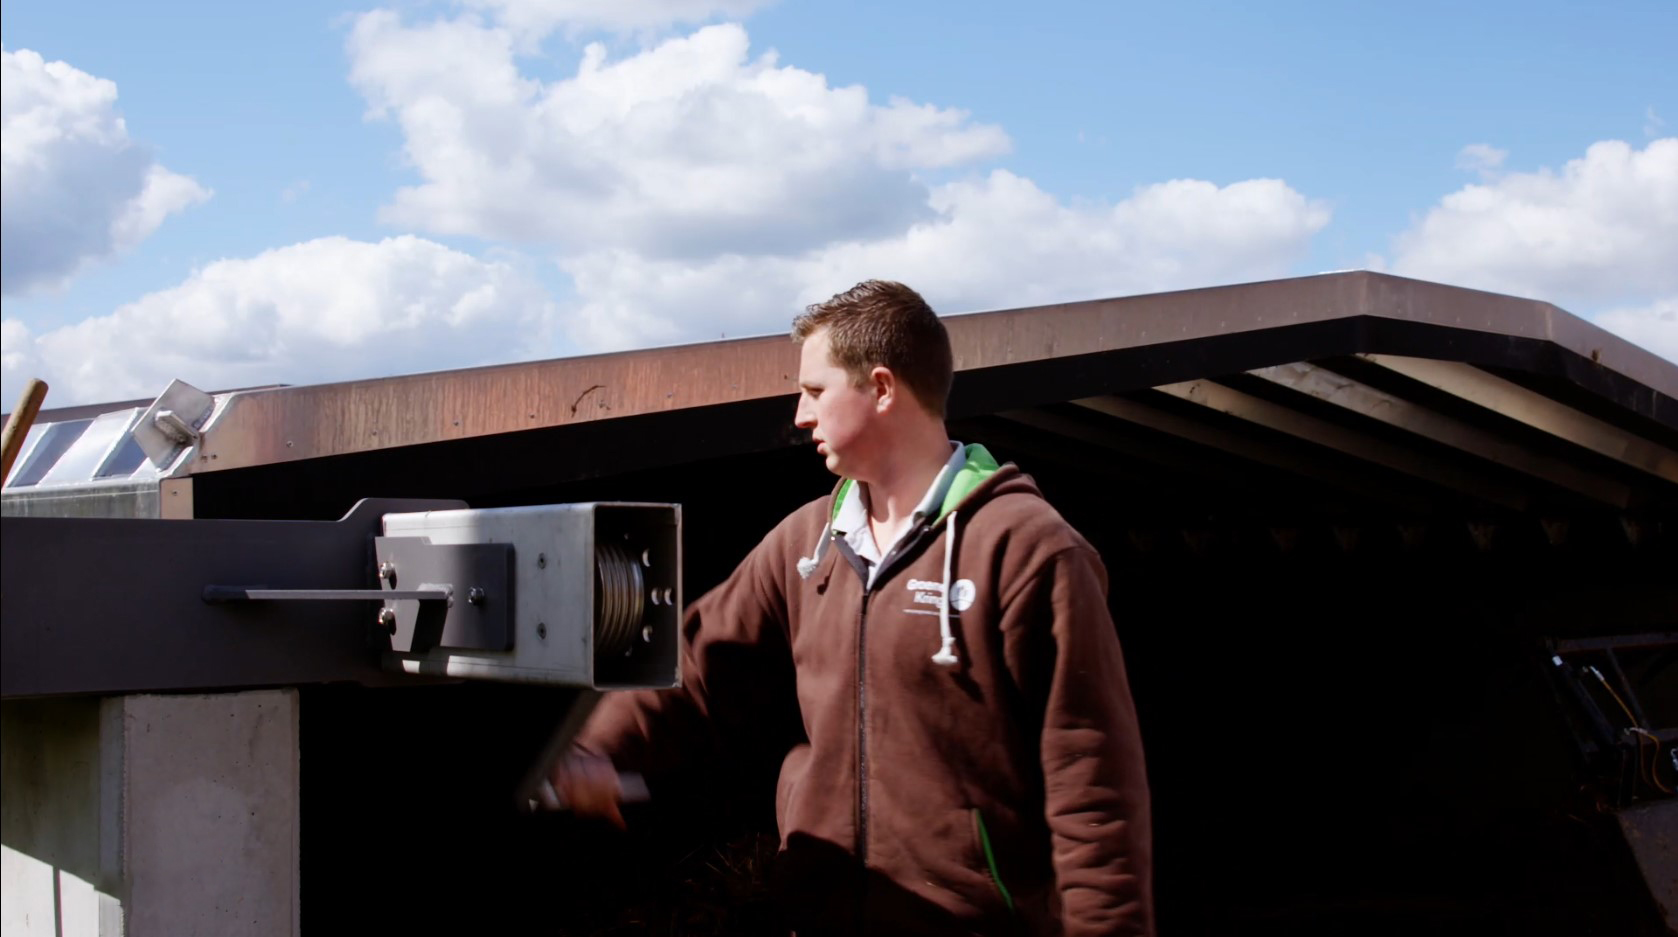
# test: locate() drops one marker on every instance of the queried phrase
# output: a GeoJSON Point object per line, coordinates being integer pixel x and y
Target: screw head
{"type": "Point", "coordinates": [475, 595]}
{"type": "Point", "coordinates": [387, 572]}
{"type": "Point", "coordinates": [387, 620]}
{"type": "Point", "coordinates": [542, 630]}
{"type": "Point", "coordinates": [541, 561]}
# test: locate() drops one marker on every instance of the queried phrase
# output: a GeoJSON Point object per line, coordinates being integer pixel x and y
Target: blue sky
{"type": "Point", "coordinates": [237, 194]}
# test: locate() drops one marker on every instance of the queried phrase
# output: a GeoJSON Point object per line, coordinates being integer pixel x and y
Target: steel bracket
{"type": "Point", "coordinates": [475, 611]}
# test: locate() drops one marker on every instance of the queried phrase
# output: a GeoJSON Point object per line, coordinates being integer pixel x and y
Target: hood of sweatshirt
{"type": "Point", "coordinates": [979, 479]}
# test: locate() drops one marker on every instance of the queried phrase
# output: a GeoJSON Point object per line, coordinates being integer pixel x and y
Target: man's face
{"type": "Point", "coordinates": [840, 416]}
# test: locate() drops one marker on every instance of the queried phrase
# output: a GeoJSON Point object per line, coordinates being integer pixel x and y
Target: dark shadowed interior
{"type": "Point", "coordinates": [1348, 721]}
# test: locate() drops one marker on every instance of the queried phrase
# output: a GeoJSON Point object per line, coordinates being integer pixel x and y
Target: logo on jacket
{"type": "Point", "coordinates": [931, 592]}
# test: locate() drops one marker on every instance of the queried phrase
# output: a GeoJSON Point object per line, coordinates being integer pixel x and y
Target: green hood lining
{"type": "Point", "coordinates": [980, 466]}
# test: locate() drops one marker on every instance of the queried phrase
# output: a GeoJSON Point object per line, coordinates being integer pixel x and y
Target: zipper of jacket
{"type": "Point", "coordinates": [862, 728]}
{"type": "Point", "coordinates": [862, 692]}
{"type": "Point", "coordinates": [861, 802]}
{"type": "Point", "coordinates": [868, 581]}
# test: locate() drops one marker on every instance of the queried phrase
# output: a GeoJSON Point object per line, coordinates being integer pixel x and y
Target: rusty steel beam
{"type": "Point", "coordinates": [262, 427]}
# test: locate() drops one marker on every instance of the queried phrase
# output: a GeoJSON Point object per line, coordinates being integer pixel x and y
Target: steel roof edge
{"type": "Point", "coordinates": [311, 421]}
{"type": "Point", "coordinates": [1522, 318]}
{"type": "Point", "coordinates": [86, 411]}
{"type": "Point", "coordinates": [1349, 294]}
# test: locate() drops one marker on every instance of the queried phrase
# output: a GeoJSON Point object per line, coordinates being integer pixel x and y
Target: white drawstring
{"type": "Point", "coordinates": [807, 564]}
{"type": "Point", "coordinates": [946, 655]}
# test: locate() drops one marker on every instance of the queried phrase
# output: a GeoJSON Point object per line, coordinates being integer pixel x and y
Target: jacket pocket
{"type": "Point", "coordinates": [987, 853]}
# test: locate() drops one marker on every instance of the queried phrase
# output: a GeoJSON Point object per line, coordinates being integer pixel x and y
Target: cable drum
{"type": "Point", "coordinates": [619, 599]}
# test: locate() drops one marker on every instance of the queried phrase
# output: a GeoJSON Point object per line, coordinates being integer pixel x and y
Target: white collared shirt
{"type": "Point", "coordinates": [852, 520]}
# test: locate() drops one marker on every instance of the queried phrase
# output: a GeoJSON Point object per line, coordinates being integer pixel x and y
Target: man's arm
{"type": "Point", "coordinates": [735, 668]}
{"type": "Point", "coordinates": [1094, 779]}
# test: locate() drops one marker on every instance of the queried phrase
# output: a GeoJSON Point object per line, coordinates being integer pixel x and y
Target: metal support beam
{"type": "Point", "coordinates": [1536, 410]}
{"type": "Point", "coordinates": [1359, 445]}
{"type": "Point", "coordinates": [95, 605]}
{"type": "Point", "coordinates": [1395, 411]}
{"type": "Point", "coordinates": [1283, 457]}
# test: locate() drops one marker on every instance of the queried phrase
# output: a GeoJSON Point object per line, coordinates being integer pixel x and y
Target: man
{"type": "Point", "coordinates": [966, 758]}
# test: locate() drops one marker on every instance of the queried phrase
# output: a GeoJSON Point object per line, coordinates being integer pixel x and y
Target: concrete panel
{"type": "Point", "coordinates": [27, 904]}
{"type": "Point", "coordinates": [50, 773]}
{"type": "Point", "coordinates": [37, 900]}
{"type": "Point", "coordinates": [60, 778]}
{"type": "Point", "coordinates": [85, 910]}
{"type": "Point", "coordinates": [211, 814]}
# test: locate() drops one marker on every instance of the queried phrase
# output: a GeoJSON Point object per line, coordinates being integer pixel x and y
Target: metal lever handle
{"type": "Point", "coordinates": [260, 594]}
{"type": "Point", "coordinates": [632, 787]}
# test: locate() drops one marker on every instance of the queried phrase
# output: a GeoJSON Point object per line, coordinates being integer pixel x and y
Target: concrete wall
{"type": "Point", "coordinates": [151, 815]}
{"type": "Point", "coordinates": [58, 820]}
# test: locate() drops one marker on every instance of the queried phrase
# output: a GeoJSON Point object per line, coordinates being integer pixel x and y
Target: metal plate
{"type": "Point", "coordinates": [480, 580]}
{"type": "Point", "coordinates": [189, 404]}
{"type": "Point", "coordinates": [116, 606]}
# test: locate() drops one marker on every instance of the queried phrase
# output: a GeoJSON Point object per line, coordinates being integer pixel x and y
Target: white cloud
{"type": "Point", "coordinates": [692, 191]}
{"type": "Point", "coordinates": [690, 148]}
{"type": "Point", "coordinates": [1481, 158]}
{"type": "Point", "coordinates": [537, 18]}
{"type": "Point", "coordinates": [689, 190]}
{"type": "Point", "coordinates": [295, 191]}
{"type": "Point", "coordinates": [17, 359]}
{"type": "Point", "coordinates": [1652, 122]}
{"type": "Point", "coordinates": [1654, 326]}
{"type": "Point", "coordinates": [76, 187]}
{"type": "Point", "coordinates": [1599, 238]}
{"type": "Point", "coordinates": [328, 309]}
{"type": "Point", "coordinates": [1603, 231]}
{"type": "Point", "coordinates": [993, 242]}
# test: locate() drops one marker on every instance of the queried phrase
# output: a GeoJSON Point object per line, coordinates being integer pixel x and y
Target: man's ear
{"type": "Point", "coordinates": [884, 385]}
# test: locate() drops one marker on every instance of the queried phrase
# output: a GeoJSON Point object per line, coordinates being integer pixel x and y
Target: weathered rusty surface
{"type": "Point", "coordinates": [330, 419]}
{"type": "Point", "coordinates": [286, 424]}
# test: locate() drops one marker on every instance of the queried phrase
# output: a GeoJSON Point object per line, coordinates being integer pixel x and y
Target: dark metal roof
{"type": "Point", "coordinates": [1169, 337]}
{"type": "Point", "coordinates": [1351, 393]}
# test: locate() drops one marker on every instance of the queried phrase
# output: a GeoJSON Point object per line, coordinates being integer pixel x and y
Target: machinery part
{"type": "Point", "coordinates": [258, 594]}
{"type": "Point", "coordinates": [619, 599]}
{"type": "Point", "coordinates": [482, 573]}
{"type": "Point", "coordinates": [584, 611]}
{"type": "Point", "coordinates": [112, 606]}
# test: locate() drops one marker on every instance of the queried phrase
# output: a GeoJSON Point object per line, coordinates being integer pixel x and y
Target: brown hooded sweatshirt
{"type": "Point", "coordinates": [1000, 793]}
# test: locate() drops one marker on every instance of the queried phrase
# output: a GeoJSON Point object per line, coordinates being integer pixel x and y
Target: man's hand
{"type": "Point", "coordinates": [588, 786]}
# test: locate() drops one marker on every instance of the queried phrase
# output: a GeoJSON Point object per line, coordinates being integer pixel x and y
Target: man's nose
{"type": "Point", "coordinates": [805, 416]}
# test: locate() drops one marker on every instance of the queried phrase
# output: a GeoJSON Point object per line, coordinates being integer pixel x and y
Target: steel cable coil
{"type": "Point", "coordinates": [619, 599]}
